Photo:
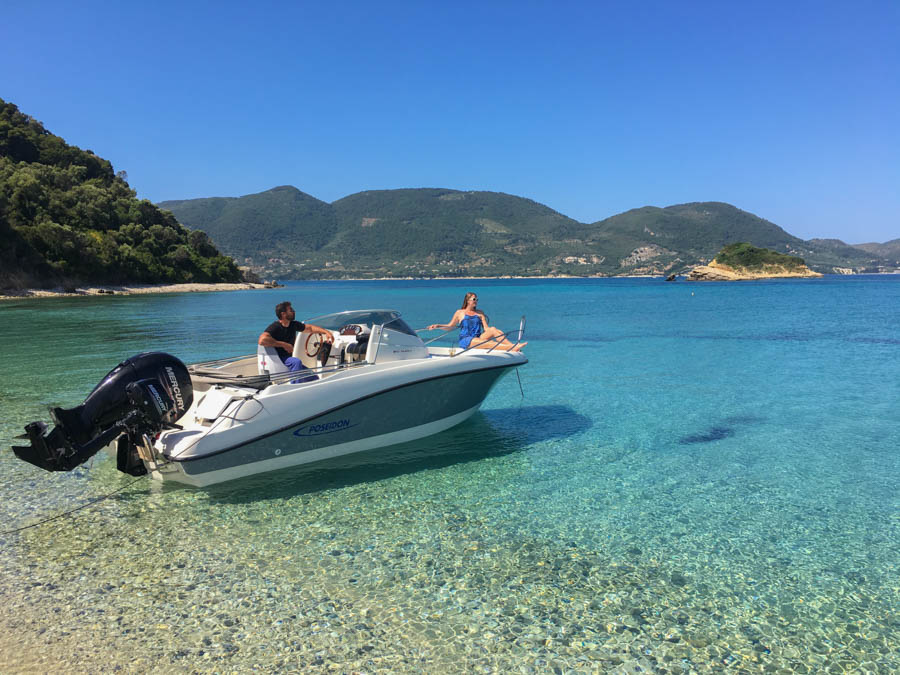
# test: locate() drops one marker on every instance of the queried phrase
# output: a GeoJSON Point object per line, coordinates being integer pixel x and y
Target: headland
{"type": "Point", "coordinates": [743, 262]}
{"type": "Point", "coordinates": [717, 272]}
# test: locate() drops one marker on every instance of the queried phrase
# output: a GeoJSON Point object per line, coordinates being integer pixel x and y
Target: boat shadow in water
{"type": "Point", "coordinates": [491, 433]}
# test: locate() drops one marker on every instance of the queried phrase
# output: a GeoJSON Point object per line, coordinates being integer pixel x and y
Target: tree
{"type": "Point", "coordinates": [67, 217]}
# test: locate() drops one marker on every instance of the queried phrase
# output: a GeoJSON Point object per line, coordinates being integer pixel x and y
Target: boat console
{"type": "Point", "coordinates": [349, 344]}
{"type": "Point", "coordinates": [366, 335]}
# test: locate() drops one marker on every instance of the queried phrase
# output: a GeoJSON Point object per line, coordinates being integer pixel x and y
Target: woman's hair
{"type": "Point", "coordinates": [466, 299]}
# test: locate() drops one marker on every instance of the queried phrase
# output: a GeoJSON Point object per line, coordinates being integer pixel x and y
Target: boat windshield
{"type": "Point", "coordinates": [369, 317]}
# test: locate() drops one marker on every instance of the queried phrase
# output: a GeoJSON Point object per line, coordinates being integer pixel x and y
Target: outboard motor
{"type": "Point", "coordinates": [140, 397]}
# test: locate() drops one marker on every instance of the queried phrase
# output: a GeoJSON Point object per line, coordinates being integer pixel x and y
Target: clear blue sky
{"type": "Point", "coordinates": [789, 110]}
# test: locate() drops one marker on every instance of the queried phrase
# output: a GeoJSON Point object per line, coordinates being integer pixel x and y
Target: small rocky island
{"type": "Point", "coordinates": [743, 262]}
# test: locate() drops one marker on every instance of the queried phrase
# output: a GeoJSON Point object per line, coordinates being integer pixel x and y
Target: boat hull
{"type": "Point", "coordinates": [403, 413]}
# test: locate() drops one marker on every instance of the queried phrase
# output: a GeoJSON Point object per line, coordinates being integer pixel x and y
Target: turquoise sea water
{"type": "Point", "coordinates": [700, 477]}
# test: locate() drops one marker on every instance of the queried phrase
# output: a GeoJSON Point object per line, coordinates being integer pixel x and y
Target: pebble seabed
{"type": "Point", "coordinates": [395, 573]}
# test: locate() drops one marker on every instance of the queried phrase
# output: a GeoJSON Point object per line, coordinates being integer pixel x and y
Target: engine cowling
{"type": "Point", "coordinates": [141, 396]}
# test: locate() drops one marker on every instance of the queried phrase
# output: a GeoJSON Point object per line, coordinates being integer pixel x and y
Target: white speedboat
{"type": "Point", "coordinates": [379, 384]}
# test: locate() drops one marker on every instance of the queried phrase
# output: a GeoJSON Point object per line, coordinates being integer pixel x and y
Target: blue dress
{"type": "Point", "coordinates": [470, 327]}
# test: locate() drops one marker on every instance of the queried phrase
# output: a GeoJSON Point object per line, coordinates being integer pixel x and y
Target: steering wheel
{"type": "Point", "coordinates": [313, 342]}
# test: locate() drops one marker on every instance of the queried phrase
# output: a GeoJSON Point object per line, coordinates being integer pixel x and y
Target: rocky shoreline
{"type": "Point", "coordinates": [130, 289]}
{"type": "Point", "coordinates": [136, 289]}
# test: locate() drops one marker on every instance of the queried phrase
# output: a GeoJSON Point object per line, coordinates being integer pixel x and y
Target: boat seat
{"type": "Point", "coordinates": [268, 362]}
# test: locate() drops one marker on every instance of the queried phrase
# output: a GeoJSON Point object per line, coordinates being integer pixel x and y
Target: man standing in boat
{"type": "Point", "coordinates": [282, 334]}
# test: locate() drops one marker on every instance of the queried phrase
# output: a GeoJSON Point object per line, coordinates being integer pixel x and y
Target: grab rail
{"type": "Point", "coordinates": [204, 368]}
{"type": "Point", "coordinates": [279, 378]}
{"type": "Point", "coordinates": [216, 362]}
{"type": "Point", "coordinates": [446, 332]}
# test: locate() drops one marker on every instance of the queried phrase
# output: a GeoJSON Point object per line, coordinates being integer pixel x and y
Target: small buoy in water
{"type": "Point", "coordinates": [692, 292]}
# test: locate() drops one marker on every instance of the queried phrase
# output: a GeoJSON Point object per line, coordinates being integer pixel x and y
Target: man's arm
{"type": "Point", "coordinates": [266, 340]}
{"type": "Point", "coordinates": [327, 334]}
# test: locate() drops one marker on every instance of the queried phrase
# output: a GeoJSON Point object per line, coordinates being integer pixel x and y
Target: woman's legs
{"type": "Point", "coordinates": [503, 346]}
{"type": "Point", "coordinates": [494, 338]}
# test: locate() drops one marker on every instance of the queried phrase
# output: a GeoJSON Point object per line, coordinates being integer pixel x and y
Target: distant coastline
{"type": "Point", "coordinates": [138, 289]}
{"type": "Point", "coordinates": [126, 289]}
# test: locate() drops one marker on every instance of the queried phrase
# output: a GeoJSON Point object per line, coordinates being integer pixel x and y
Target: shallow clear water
{"type": "Point", "coordinates": [699, 477]}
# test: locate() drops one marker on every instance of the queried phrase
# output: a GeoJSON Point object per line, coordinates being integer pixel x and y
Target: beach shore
{"type": "Point", "coordinates": [131, 289]}
{"type": "Point", "coordinates": [135, 289]}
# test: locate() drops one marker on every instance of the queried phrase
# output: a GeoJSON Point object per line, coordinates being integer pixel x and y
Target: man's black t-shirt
{"type": "Point", "coordinates": [285, 334]}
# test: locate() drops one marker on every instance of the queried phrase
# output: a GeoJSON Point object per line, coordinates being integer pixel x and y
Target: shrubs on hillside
{"type": "Point", "coordinates": [746, 256]}
{"type": "Point", "coordinates": [67, 216]}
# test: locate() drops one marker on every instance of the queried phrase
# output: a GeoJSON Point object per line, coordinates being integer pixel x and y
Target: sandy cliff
{"type": "Point", "coordinates": [716, 272]}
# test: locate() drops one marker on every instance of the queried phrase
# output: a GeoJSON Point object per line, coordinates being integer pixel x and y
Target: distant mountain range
{"type": "Point", "coordinates": [889, 249]}
{"type": "Point", "coordinates": [286, 233]}
{"type": "Point", "coordinates": [67, 218]}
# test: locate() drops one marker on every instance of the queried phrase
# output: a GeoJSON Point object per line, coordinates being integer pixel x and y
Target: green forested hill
{"type": "Point", "coordinates": [889, 249]}
{"type": "Point", "coordinates": [693, 234]}
{"type": "Point", "coordinates": [429, 207]}
{"type": "Point", "coordinates": [743, 256]}
{"type": "Point", "coordinates": [384, 232]}
{"type": "Point", "coordinates": [66, 217]}
{"type": "Point", "coordinates": [835, 253]}
{"type": "Point", "coordinates": [279, 222]}
{"type": "Point", "coordinates": [449, 229]}
{"type": "Point", "coordinates": [432, 231]}
{"type": "Point", "coordinates": [675, 237]}
{"type": "Point", "coordinates": [699, 229]}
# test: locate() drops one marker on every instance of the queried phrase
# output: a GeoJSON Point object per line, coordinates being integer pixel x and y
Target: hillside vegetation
{"type": "Point", "coordinates": [261, 222]}
{"type": "Point", "coordinates": [441, 232]}
{"type": "Point", "coordinates": [889, 249]}
{"type": "Point", "coordinates": [385, 233]}
{"type": "Point", "coordinates": [744, 262]}
{"type": "Point", "coordinates": [744, 256]}
{"type": "Point", "coordinates": [66, 218]}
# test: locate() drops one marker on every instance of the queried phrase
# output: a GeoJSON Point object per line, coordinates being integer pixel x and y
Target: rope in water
{"type": "Point", "coordinates": [71, 511]}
